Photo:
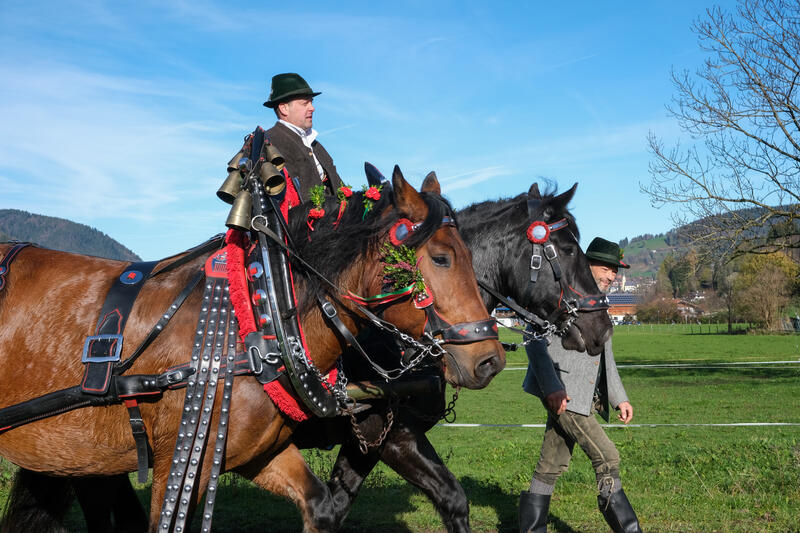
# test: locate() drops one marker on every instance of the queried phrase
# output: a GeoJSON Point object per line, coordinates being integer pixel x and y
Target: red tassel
{"type": "Point", "coordinates": [342, 206]}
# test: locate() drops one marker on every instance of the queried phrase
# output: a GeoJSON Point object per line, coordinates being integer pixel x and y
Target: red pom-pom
{"type": "Point", "coordinates": [316, 213]}
{"type": "Point", "coordinates": [373, 193]}
{"type": "Point", "coordinates": [346, 191]}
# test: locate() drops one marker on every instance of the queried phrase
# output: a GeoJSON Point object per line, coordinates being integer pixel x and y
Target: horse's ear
{"type": "Point", "coordinates": [407, 199]}
{"type": "Point", "coordinates": [565, 197]}
{"type": "Point", "coordinates": [431, 184]}
{"type": "Point", "coordinates": [533, 192]}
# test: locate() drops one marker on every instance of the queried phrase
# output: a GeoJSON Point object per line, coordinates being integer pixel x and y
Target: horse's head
{"type": "Point", "coordinates": [453, 309]}
{"type": "Point", "coordinates": [431, 293]}
{"type": "Point", "coordinates": [592, 328]}
{"type": "Point", "coordinates": [544, 269]}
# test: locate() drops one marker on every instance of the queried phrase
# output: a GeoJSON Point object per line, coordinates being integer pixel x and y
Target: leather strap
{"type": "Point", "coordinates": [5, 264]}
{"type": "Point", "coordinates": [104, 347]}
{"type": "Point", "coordinates": [62, 401]}
{"type": "Point", "coordinates": [123, 366]}
{"type": "Point", "coordinates": [140, 437]}
{"type": "Point", "coordinates": [221, 435]}
{"type": "Point", "coordinates": [214, 243]}
{"type": "Point", "coordinates": [216, 328]}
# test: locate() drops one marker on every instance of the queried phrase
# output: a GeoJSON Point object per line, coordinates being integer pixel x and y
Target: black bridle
{"type": "Point", "coordinates": [538, 233]}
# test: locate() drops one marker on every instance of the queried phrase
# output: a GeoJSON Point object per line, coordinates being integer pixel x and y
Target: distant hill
{"type": "Point", "coordinates": [60, 234]}
{"type": "Point", "coordinates": [645, 254]}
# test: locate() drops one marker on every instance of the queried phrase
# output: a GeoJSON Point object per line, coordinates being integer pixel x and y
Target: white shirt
{"type": "Point", "coordinates": [307, 136]}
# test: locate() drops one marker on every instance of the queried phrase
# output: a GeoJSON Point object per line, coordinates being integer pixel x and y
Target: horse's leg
{"type": "Point", "coordinates": [36, 503]}
{"type": "Point", "coordinates": [349, 472]}
{"type": "Point", "coordinates": [287, 474]}
{"type": "Point", "coordinates": [100, 497]}
{"type": "Point", "coordinates": [409, 453]}
{"type": "Point", "coordinates": [129, 515]}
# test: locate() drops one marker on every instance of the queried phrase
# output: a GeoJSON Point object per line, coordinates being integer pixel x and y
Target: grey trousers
{"type": "Point", "coordinates": [560, 436]}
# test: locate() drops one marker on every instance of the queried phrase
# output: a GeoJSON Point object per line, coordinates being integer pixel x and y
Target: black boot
{"type": "Point", "coordinates": [533, 512]}
{"type": "Point", "coordinates": [618, 512]}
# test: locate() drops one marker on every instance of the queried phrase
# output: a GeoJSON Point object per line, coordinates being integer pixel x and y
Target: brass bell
{"type": "Point", "coordinates": [272, 178]}
{"type": "Point", "coordinates": [272, 155]}
{"type": "Point", "coordinates": [240, 215]}
{"type": "Point", "coordinates": [231, 186]}
{"type": "Point", "coordinates": [234, 163]}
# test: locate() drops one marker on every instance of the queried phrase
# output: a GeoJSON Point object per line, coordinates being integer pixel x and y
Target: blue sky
{"type": "Point", "coordinates": [123, 115]}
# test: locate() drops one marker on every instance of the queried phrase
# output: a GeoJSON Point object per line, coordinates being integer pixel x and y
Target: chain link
{"type": "Point", "coordinates": [363, 444]}
{"type": "Point", "coordinates": [448, 414]}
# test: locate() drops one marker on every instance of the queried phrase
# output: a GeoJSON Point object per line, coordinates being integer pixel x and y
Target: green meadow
{"type": "Point", "coordinates": [680, 476]}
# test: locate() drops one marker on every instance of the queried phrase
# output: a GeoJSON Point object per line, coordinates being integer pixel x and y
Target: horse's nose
{"type": "Point", "coordinates": [489, 366]}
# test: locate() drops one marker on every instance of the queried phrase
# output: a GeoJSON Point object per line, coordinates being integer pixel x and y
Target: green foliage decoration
{"type": "Point", "coordinates": [400, 267]}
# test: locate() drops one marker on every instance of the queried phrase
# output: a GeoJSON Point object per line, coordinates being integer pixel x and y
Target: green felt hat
{"type": "Point", "coordinates": [606, 252]}
{"type": "Point", "coordinates": [286, 87]}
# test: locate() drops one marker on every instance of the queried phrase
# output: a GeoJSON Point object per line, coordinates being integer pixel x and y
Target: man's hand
{"type": "Point", "coordinates": [556, 402]}
{"type": "Point", "coordinates": [625, 412]}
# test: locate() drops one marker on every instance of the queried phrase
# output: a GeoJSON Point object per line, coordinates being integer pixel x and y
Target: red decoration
{"type": "Point", "coordinates": [314, 214]}
{"type": "Point", "coordinates": [237, 241]}
{"type": "Point", "coordinates": [538, 232]}
{"type": "Point", "coordinates": [400, 231]}
{"type": "Point", "coordinates": [373, 193]}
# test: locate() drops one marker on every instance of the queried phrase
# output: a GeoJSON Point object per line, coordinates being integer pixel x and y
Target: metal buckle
{"type": "Point", "coordinates": [254, 358]}
{"type": "Point", "coordinates": [536, 262]}
{"type": "Point", "coordinates": [328, 309]}
{"type": "Point", "coordinates": [550, 252]}
{"type": "Point", "coordinates": [108, 336]}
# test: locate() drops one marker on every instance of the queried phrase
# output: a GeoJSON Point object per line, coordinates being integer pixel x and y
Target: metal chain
{"type": "Point", "coordinates": [445, 415]}
{"type": "Point", "coordinates": [451, 408]}
{"type": "Point", "coordinates": [363, 444]}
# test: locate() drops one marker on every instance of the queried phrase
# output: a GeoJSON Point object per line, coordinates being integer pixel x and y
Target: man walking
{"type": "Point", "coordinates": [573, 386]}
{"type": "Point", "coordinates": [307, 161]}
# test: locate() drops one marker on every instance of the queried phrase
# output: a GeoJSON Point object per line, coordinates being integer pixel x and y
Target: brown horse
{"type": "Point", "coordinates": [51, 300]}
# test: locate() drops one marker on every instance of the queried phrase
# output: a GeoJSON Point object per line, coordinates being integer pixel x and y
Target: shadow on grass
{"type": "Point", "coordinates": [244, 508]}
{"type": "Point", "coordinates": [505, 505]}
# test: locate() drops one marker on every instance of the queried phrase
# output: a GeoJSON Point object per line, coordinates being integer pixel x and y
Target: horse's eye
{"type": "Point", "coordinates": [441, 260]}
{"type": "Point", "coordinates": [569, 250]}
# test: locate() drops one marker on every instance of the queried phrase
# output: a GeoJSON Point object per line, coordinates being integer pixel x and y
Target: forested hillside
{"type": "Point", "coordinates": [60, 234]}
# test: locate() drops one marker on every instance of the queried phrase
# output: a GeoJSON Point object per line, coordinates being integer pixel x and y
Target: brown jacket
{"type": "Point", "coordinates": [300, 163]}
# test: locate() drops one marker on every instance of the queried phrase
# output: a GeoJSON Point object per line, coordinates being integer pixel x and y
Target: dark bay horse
{"type": "Point", "coordinates": [495, 231]}
{"type": "Point", "coordinates": [51, 300]}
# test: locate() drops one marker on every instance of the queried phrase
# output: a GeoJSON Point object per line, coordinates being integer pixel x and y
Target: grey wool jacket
{"type": "Point", "coordinates": [552, 368]}
{"type": "Point", "coordinates": [300, 163]}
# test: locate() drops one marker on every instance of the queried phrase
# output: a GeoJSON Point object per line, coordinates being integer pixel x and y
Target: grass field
{"type": "Point", "coordinates": [680, 478]}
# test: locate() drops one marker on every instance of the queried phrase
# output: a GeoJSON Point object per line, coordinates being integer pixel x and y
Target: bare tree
{"type": "Point", "coordinates": [741, 108]}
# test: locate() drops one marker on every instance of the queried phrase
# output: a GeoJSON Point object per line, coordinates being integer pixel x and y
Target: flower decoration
{"type": "Point", "coordinates": [317, 195]}
{"type": "Point", "coordinates": [343, 194]}
{"type": "Point", "coordinates": [401, 267]}
{"type": "Point", "coordinates": [621, 254]}
{"type": "Point", "coordinates": [371, 195]}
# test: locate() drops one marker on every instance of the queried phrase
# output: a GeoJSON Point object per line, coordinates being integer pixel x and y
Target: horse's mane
{"type": "Point", "coordinates": [506, 214]}
{"type": "Point", "coordinates": [332, 248]}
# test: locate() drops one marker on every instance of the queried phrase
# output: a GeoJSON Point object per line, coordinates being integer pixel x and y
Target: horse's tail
{"type": "Point", "coordinates": [36, 503]}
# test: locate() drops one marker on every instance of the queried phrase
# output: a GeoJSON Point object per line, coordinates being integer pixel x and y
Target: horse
{"type": "Point", "coordinates": [495, 232]}
{"type": "Point", "coordinates": [492, 230]}
{"type": "Point", "coordinates": [50, 302]}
